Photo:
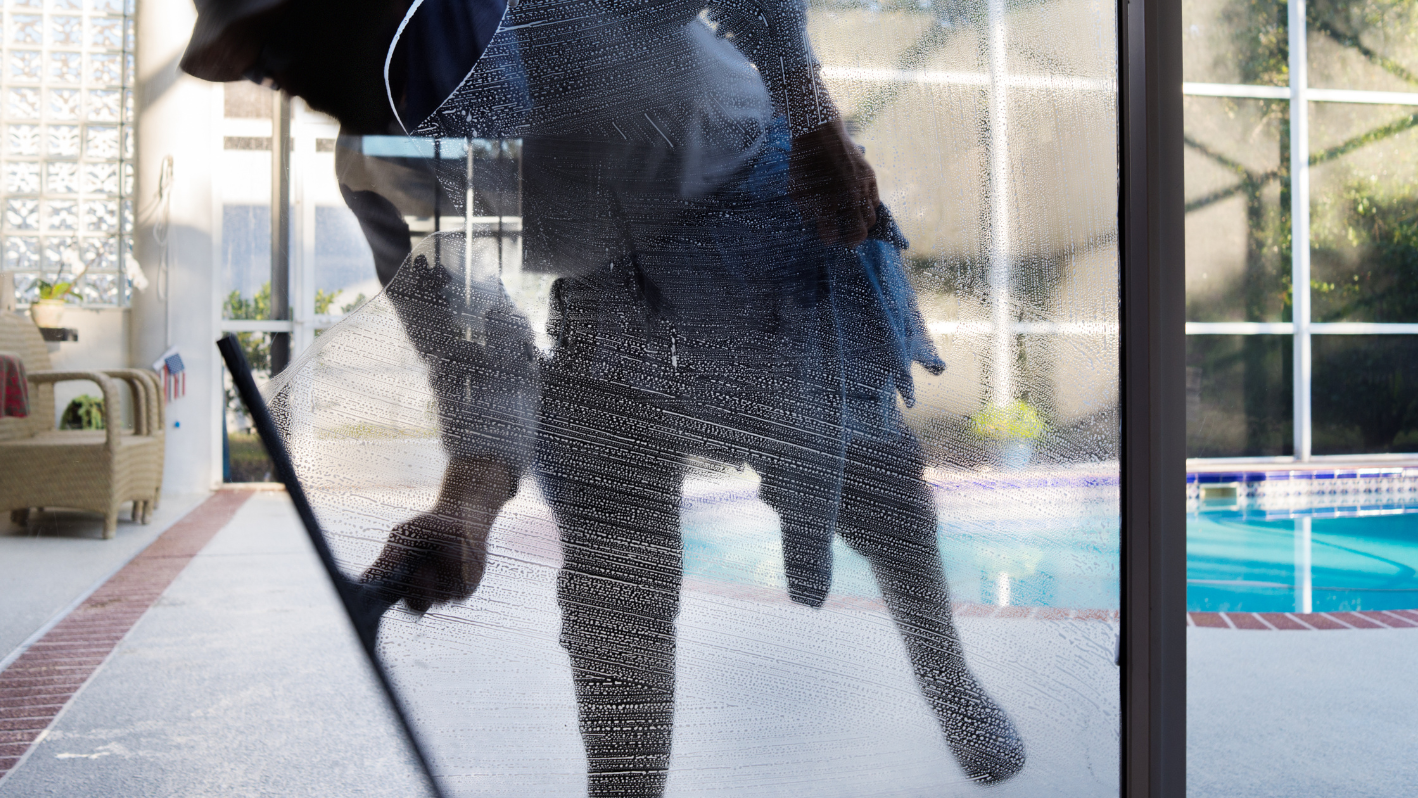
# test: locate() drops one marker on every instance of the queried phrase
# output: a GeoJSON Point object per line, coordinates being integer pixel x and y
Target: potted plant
{"type": "Point", "coordinates": [48, 309]}
{"type": "Point", "coordinates": [1013, 427]}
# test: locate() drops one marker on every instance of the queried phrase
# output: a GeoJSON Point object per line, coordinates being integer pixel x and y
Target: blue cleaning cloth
{"type": "Point", "coordinates": [884, 268]}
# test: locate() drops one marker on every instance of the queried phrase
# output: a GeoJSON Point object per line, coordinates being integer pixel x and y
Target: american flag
{"type": "Point", "coordinates": [174, 374]}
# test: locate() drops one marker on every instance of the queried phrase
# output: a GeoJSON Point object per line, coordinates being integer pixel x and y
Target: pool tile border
{"type": "Point", "coordinates": [1298, 473]}
{"type": "Point", "coordinates": [1306, 490]}
{"type": "Point", "coordinates": [37, 686]}
{"type": "Point", "coordinates": [1304, 621]}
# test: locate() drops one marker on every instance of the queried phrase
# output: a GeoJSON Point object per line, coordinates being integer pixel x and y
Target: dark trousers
{"type": "Point", "coordinates": [612, 458]}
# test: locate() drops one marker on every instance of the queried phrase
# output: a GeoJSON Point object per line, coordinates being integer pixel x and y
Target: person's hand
{"type": "Point", "coordinates": [439, 557]}
{"type": "Point", "coordinates": [429, 560]}
{"type": "Point", "coordinates": [833, 185]}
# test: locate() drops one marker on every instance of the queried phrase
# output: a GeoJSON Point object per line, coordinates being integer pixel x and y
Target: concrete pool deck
{"type": "Point", "coordinates": [60, 557]}
{"type": "Point", "coordinates": [242, 679]}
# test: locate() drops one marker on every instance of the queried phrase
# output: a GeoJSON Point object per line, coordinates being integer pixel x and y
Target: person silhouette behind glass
{"type": "Point", "coordinates": [732, 289]}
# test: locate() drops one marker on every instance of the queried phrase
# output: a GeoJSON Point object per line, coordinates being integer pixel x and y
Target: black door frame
{"type": "Point", "coordinates": [1153, 479]}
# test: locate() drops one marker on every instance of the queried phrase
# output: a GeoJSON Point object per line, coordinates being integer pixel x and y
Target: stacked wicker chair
{"type": "Point", "coordinates": [95, 470]}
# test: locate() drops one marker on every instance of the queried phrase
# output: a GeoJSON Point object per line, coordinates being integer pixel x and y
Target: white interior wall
{"type": "Point", "coordinates": [179, 307]}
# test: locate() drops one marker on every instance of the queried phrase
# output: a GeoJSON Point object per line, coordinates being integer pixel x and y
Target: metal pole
{"type": "Point", "coordinates": [357, 605]}
{"type": "Point", "coordinates": [475, 330]}
{"type": "Point", "coordinates": [500, 145]}
{"type": "Point", "coordinates": [999, 229]}
{"type": "Point", "coordinates": [280, 228]}
{"type": "Point", "coordinates": [1300, 226]}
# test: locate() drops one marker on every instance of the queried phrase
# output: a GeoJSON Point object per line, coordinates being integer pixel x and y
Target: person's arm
{"type": "Point", "coordinates": [380, 220]}
{"type": "Point", "coordinates": [773, 35]}
{"type": "Point", "coordinates": [834, 186]}
{"type": "Point", "coordinates": [384, 229]}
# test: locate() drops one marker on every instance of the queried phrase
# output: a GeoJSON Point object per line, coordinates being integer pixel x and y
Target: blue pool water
{"type": "Point", "coordinates": [1006, 551]}
{"type": "Point", "coordinates": [1238, 561]}
{"type": "Point", "coordinates": [1000, 550]}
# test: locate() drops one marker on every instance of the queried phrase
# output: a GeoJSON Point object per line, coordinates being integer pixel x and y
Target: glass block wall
{"type": "Point", "coordinates": [66, 170]}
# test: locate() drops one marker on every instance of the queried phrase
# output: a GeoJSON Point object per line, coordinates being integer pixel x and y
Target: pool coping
{"type": "Point", "coordinates": [1304, 621]}
{"type": "Point", "coordinates": [1242, 621]}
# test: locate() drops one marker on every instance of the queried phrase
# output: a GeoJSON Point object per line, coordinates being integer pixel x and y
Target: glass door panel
{"type": "Point", "coordinates": [689, 449]}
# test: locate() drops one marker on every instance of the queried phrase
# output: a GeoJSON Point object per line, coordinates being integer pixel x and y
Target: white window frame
{"type": "Point", "coordinates": [1300, 95]}
{"type": "Point", "coordinates": [306, 129]}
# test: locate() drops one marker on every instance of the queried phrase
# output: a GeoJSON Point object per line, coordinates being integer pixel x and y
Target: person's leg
{"type": "Point", "coordinates": [801, 484]}
{"type": "Point", "coordinates": [888, 516]}
{"type": "Point", "coordinates": [614, 484]}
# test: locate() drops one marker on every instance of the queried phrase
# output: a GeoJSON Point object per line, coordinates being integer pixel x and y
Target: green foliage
{"type": "Point", "coordinates": [257, 346]}
{"type": "Point", "coordinates": [324, 299]}
{"type": "Point", "coordinates": [83, 412]}
{"type": "Point", "coordinates": [258, 307]}
{"type": "Point", "coordinates": [1356, 24]}
{"type": "Point", "coordinates": [1364, 239]}
{"type": "Point", "coordinates": [1015, 421]}
{"type": "Point", "coordinates": [1370, 252]}
{"type": "Point", "coordinates": [1260, 33]}
{"type": "Point", "coordinates": [48, 290]}
{"type": "Point", "coordinates": [1374, 407]}
{"type": "Point", "coordinates": [248, 460]}
{"type": "Point", "coordinates": [1260, 36]}
{"type": "Point", "coordinates": [355, 305]}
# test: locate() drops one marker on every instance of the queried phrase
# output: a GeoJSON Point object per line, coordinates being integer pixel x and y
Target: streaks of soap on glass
{"type": "Point", "coordinates": [662, 484]}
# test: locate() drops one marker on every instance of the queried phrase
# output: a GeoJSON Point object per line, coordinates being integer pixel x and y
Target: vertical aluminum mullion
{"type": "Point", "coordinates": [1304, 565]}
{"type": "Point", "coordinates": [468, 198]}
{"type": "Point", "coordinates": [280, 227]}
{"type": "Point", "coordinates": [1300, 226]}
{"type": "Point", "coordinates": [476, 330]}
{"type": "Point", "coordinates": [1000, 222]}
{"type": "Point", "coordinates": [302, 165]}
{"type": "Point", "coordinates": [1151, 226]}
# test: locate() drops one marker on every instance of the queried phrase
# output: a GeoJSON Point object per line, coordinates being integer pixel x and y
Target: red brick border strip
{"type": "Point", "coordinates": [962, 609]}
{"type": "Point", "coordinates": [1295, 621]}
{"type": "Point", "coordinates": [1251, 621]}
{"type": "Point", "coordinates": [41, 681]}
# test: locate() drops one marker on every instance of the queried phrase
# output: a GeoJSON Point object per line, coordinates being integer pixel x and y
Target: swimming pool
{"type": "Point", "coordinates": [1022, 545]}
{"type": "Point", "coordinates": [1254, 561]}
{"type": "Point", "coordinates": [1048, 540]}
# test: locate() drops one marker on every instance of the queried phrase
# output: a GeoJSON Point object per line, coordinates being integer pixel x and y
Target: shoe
{"type": "Point", "coordinates": [978, 731]}
{"type": "Point", "coordinates": [989, 755]}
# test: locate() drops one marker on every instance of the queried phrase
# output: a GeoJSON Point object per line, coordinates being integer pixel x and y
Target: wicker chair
{"type": "Point", "coordinates": [96, 470]}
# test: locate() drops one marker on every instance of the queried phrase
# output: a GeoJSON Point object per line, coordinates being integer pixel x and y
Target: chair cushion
{"type": "Point", "coordinates": [14, 388]}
